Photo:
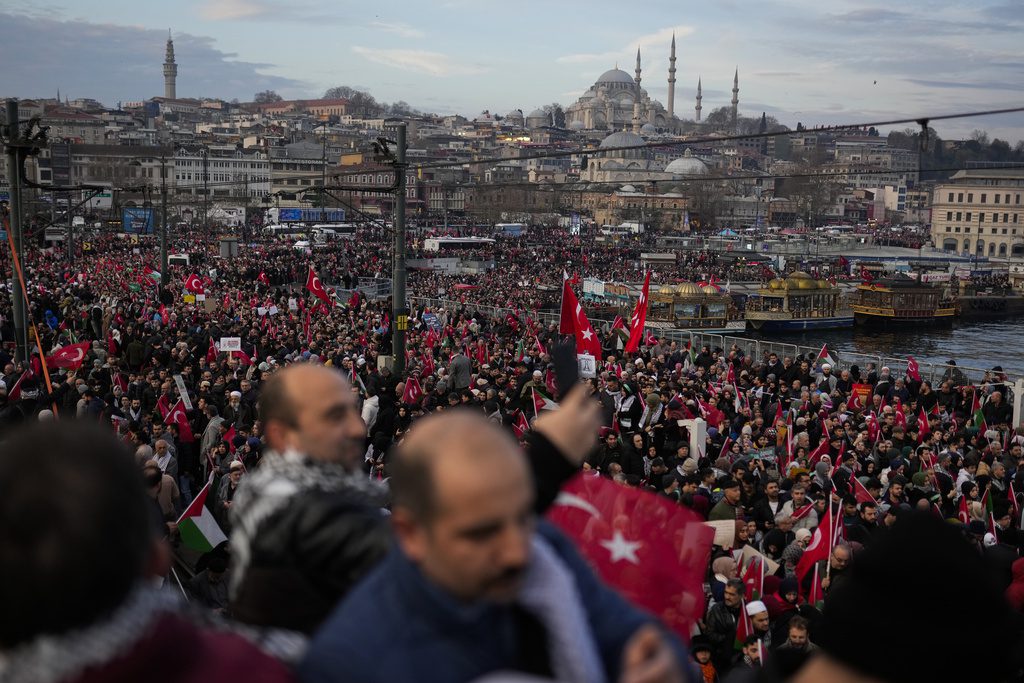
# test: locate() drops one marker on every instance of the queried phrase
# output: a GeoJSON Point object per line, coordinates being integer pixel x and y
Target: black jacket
{"type": "Point", "coordinates": [307, 556]}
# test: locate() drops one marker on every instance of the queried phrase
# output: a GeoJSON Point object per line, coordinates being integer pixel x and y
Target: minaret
{"type": "Point", "coordinates": [699, 98]}
{"type": "Point", "coordinates": [735, 97]}
{"type": "Point", "coordinates": [672, 78]}
{"type": "Point", "coordinates": [638, 69]}
{"type": "Point", "coordinates": [170, 70]}
{"type": "Point", "coordinates": [636, 117]}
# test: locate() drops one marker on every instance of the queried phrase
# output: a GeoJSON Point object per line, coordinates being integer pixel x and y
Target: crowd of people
{"type": "Point", "coordinates": [306, 438]}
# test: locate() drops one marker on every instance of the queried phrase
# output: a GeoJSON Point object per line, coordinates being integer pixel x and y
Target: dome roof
{"type": "Point", "coordinates": [710, 289]}
{"type": "Point", "coordinates": [665, 289]}
{"type": "Point", "coordinates": [648, 128]}
{"type": "Point", "coordinates": [801, 280]}
{"type": "Point", "coordinates": [777, 283]}
{"type": "Point", "coordinates": [577, 125]}
{"type": "Point", "coordinates": [616, 76]}
{"type": "Point", "coordinates": [687, 165]}
{"type": "Point", "coordinates": [622, 139]}
{"type": "Point", "coordinates": [537, 113]}
{"type": "Point", "coordinates": [514, 114]}
{"type": "Point", "coordinates": [688, 289]}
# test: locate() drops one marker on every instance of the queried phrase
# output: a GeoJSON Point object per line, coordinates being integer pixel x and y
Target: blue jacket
{"type": "Point", "coordinates": [395, 626]}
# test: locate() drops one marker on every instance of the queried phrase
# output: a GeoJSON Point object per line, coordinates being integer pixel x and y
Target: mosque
{"type": "Point", "coordinates": [617, 102]}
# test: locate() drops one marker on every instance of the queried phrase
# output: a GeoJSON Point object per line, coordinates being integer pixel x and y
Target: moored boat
{"type": "Point", "coordinates": [902, 299]}
{"type": "Point", "coordinates": [797, 303]}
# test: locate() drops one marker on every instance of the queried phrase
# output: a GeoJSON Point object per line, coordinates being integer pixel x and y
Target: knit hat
{"type": "Point", "coordinates": [689, 466]}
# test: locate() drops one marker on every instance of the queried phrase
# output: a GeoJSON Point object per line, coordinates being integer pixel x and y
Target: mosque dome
{"type": "Point", "coordinates": [648, 129]}
{"type": "Point", "coordinates": [537, 113]}
{"type": "Point", "coordinates": [622, 139]}
{"type": "Point", "coordinates": [515, 114]}
{"type": "Point", "coordinates": [617, 76]}
{"type": "Point", "coordinates": [687, 165]}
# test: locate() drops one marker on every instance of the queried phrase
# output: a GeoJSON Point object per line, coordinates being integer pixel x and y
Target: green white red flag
{"type": "Point", "coordinates": [198, 529]}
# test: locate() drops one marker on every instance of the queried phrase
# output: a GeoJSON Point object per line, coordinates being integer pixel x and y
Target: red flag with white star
{"type": "Point", "coordinates": [639, 317]}
{"type": "Point", "coordinates": [314, 285]}
{"type": "Point", "coordinates": [178, 417]}
{"type": "Point", "coordinates": [194, 284]}
{"type": "Point", "coordinates": [413, 392]}
{"type": "Point", "coordinates": [70, 356]}
{"type": "Point", "coordinates": [586, 338]}
{"type": "Point", "coordinates": [653, 552]}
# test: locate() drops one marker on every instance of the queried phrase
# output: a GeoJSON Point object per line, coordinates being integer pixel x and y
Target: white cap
{"type": "Point", "coordinates": [989, 540]}
{"type": "Point", "coordinates": [826, 365]}
{"type": "Point", "coordinates": [755, 607]}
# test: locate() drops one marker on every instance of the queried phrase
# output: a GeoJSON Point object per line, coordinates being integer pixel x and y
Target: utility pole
{"type": "Point", "coordinates": [206, 190]}
{"type": "Point", "coordinates": [164, 275]}
{"type": "Point", "coordinates": [15, 154]}
{"type": "Point", "coordinates": [70, 237]}
{"type": "Point", "coordinates": [400, 314]}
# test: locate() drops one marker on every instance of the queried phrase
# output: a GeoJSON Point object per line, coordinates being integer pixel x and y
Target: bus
{"type": "Point", "coordinates": [456, 243]}
{"type": "Point", "coordinates": [510, 229]}
{"type": "Point", "coordinates": [328, 232]}
{"type": "Point", "coordinates": [286, 232]}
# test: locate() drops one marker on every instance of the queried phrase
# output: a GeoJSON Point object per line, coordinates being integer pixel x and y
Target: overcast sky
{"type": "Point", "coordinates": [814, 61]}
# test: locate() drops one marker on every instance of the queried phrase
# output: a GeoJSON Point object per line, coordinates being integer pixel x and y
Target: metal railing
{"type": "Point", "coordinates": [759, 349]}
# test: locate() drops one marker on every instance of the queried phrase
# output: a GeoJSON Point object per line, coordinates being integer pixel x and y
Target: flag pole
{"type": "Point", "coordinates": [174, 573]}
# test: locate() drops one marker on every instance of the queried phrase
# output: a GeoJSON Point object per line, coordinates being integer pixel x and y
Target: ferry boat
{"type": "Point", "coordinates": [989, 302]}
{"type": "Point", "coordinates": [902, 299]}
{"type": "Point", "coordinates": [797, 303]}
{"type": "Point", "coordinates": [688, 306]}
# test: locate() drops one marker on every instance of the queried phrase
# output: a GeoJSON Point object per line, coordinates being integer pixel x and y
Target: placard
{"type": "Point", "coordinates": [293, 305]}
{"type": "Point", "coordinates": [432, 321]}
{"type": "Point", "coordinates": [183, 392]}
{"type": "Point", "coordinates": [200, 297]}
{"type": "Point", "coordinates": [230, 343]}
{"type": "Point", "coordinates": [261, 311]}
{"type": "Point", "coordinates": [190, 298]}
{"type": "Point", "coordinates": [272, 310]}
{"type": "Point", "coordinates": [863, 394]}
{"type": "Point", "coordinates": [770, 565]}
{"type": "Point", "coordinates": [725, 532]}
{"type": "Point", "coordinates": [587, 365]}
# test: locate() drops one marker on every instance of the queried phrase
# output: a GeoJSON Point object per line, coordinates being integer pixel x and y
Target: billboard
{"type": "Point", "coordinates": [311, 216]}
{"type": "Point", "coordinates": [138, 220]}
{"type": "Point", "coordinates": [101, 200]}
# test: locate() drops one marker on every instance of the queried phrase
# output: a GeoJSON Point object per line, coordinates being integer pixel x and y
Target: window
{"type": "Point", "coordinates": [1007, 199]}
{"type": "Point", "coordinates": [970, 197]}
{"type": "Point", "coordinates": [1006, 218]}
{"type": "Point", "coordinates": [996, 198]}
{"type": "Point", "coordinates": [968, 217]}
{"type": "Point", "coordinates": [960, 196]}
{"type": "Point", "coordinates": [950, 197]}
{"type": "Point", "coordinates": [983, 197]}
{"type": "Point", "coordinates": [958, 230]}
{"type": "Point", "coordinates": [959, 215]}
{"type": "Point", "coordinates": [949, 215]}
{"type": "Point", "coordinates": [1004, 231]}
{"type": "Point", "coordinates": [995, 217]}
{"type": "Point", "coordinates": [995, 230]}
{"type": "Point", "coordinates": [967, 230]}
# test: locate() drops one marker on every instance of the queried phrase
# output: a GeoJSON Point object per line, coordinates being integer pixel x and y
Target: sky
{"type": "Point", "coordinates": [811, 61]}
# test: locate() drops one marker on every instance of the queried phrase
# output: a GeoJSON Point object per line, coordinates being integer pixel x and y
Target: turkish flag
{"type": "Point", "coordinates": [15, 392]}
{"type": "Point", "coordinates": [820, 546]}
{"type": "Point", "coordinates": [913, 371]}
{"type": "Point", "coordinates": [229, 438]}
{"type": "Point", "coordinates": [899, 417]}
{"type": "Point", "coordinates": [639, 317]}
{"type": "Point", "coordinates": [618, 323]}
{"type": "Point", "coordinates": [567, 316]}
{"type": "Point", "coordinates": [861, 492]}
{"type": "Point", "coordinates": [413, 392]}
{"type": "Point", "coordinates": [753, 579]}
{"type": "Point", "coordinates": [520, 426]}
{"type": "Point", "coordinates": [428, 364]}
{"type": "Point", "coordinates": [177, 416]}
{"type": "Point", "coordinates": [263, 278]}
{"type": "Point", "coordinates": [586, 338]}
{"type": "Point", "coordinates": [655, 553]}
{"type": "Point", "coordinates": [243, 358]}
{"type": "Point", "coordinates": [163, 404]}
{"type": "Point", "coordinates": [211, 353]}
{"type": "Point", "coordinates": [923, 428]}
{"type": "Point", "coordinates": [194, 284]}
{"type": "Point", "coordinates": [70, 356]}
{"type": "Point", "coordinates": [314, 285]}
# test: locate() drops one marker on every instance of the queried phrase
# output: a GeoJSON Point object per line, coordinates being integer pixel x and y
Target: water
{"type": "Point", "coordinates": [977, 345]}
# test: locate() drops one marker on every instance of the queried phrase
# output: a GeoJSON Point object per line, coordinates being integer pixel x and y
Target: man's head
{"type": "Point", "coordinates": [69, 489]}
{"type": "Point", "coordinates": [463, 506]}
{"type": "Point", "coordinates": [869, 512]}
{"type": "Point", "coordinates": [840, 556]}
{"type": "Point", "coordinates": [798, 632]}
{"type": "Point", "coordinates": [733, 593]}
{"type": "Point", "coordinates": [731, 491]}
{"type": "Point", "coordinates": [309, 409]}
{"type": "Point", "coordinates": [758, 613]}
{"type": "Point", "coordinates": [799, 493]}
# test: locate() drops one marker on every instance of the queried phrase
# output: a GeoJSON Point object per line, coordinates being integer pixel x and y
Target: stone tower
{"type": "Point", "coordinates": [638, 71]}
{"type": "Point", "coordinates": [672, 78]}
{"type": "Point", "coordinates": [735, 97]}
{"type": "Point", "coordinates": [170, 71]}
{"type": "Point", "coordinates": [699, 98]}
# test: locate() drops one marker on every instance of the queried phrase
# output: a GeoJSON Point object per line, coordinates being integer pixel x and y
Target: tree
{"type": "Point", "coordinates": [266, 97]}
{"type": "Point", "coordinates": [810, 192]}
{"type": "Point", "coordinates": [556, 110]}
{"type": "Point", "coordinates": [359, 101]}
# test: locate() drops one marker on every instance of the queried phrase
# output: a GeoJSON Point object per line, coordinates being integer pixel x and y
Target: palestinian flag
{"type": "Point", "coordinates": [744, 628]}
{"type": "Point", "coordinates": [978, 415]}
{"type": "Point", "coordinates": [150, 274]}
{"type": "Point", "coordinates": [542, 402]}
{"type": "Point", "coordinates": [198, 529]}
{"type": "Point", "coordinates": [825, 357]}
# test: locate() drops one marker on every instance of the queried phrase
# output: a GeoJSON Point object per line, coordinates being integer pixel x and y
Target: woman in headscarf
{"type": "Point", "coordinates": [791, 555]}
{"type": "Point", "coordinates": [722, 569]}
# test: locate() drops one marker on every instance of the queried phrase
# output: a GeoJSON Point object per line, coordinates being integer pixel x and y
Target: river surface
{"type": "Point", "coordinates": [977, 344]}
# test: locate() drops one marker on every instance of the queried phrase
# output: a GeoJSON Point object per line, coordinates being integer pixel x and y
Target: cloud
{"type": "Point", "coordinates": [398, 28]}
{"type": "Point", "coordinates": [226, 10]}
{"type": "Point", "coordinates": [295, 11]}
{"type": "Point", "coordinates": [113, 63]}
{"type": "Point", "coordinates": [418, 61]}
{"type": "Point", "coordinates": [659, 37]}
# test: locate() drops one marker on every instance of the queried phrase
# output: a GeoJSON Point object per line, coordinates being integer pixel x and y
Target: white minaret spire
{"type": "Point", "coordinates": [735, 96]}
{"type": "Point", "coordinates": [170, 70]}
{"type": "Point", "coordinates": [699, 98]}
{"type": "Point", "coordinates": [638, 68]}
{"type": "Point", "coordinates": [672, 78]}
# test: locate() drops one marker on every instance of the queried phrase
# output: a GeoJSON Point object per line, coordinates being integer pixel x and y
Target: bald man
{"type": "Point", "coordinates": [308, 524]}
{"type": "Point", "coordinates": [476, 585]}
